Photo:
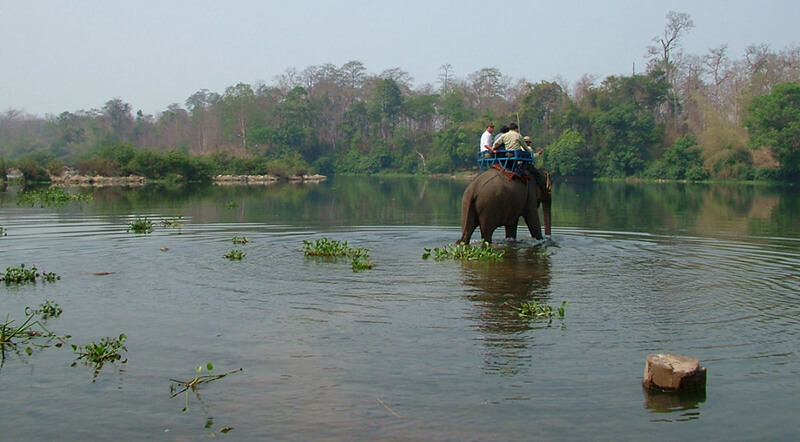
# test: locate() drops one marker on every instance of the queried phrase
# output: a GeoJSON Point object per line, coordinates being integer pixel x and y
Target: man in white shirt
{"type": "Point", "coordinates": [486, 141]}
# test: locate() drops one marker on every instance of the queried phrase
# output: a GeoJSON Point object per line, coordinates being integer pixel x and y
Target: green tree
{"type": "Point", "coordinates": [774, 121]}
{"type": "Point", "coordinates": [543, 109]}
{"type": "Point", "coordinates": [567, 155]}
{"type": "Point", "coordinates": [118, 117]}
{"type": "Point", "coordinates": [384, 106]}
{"type": "Point", "coordinates": [682, 160]}
{"type": "Point", "coordinates": [453, 107]}
{"type": "Point", "coordinates": [237, 103]}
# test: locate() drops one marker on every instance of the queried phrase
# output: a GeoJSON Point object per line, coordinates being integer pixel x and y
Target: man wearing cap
{"type": "Point", "coordinates": [486, 142]}
{"type": "Point", "coordinates": [512, 139]}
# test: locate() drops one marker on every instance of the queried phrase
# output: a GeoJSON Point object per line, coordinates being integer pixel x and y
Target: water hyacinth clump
{"type": "Point", "coordinates": [141, 226]}
{"type": "Point", "coordinates": [47, 310]}
{"type": "Point", "coordinates": [174, 222]}
{"type": "Point", "coordinates": [535, 311]}
{"type": "Point", "coordinates": [20, 275]}
{"type": "Point", "coordinates": [234, 255]}
{"type": "Point", "coordinates": [361, 260]}
{"type": "Point", "coordinates": [240, 240]}
{"type": "Point", "coordinates": [52, 196]}
{"type": "Point", "coordinates": [99, 354]}
{"type": "Point", "coordinates": [465, 252]}
{"type": "Point", "coordinates": [325, 247]}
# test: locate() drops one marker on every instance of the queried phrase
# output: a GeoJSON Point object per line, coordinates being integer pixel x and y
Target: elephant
{"type": "Point", "coordinates": [497, 198]}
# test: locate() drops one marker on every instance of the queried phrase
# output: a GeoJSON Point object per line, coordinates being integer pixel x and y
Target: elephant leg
{"type": "Point", "coordinates": [511, 230]}
{"type": "Point", "coordinates": [487, 230]}
{"type": "Point", "coordinates": [469, 222]}
{"type": "Point", "coordinates": [531, 216]}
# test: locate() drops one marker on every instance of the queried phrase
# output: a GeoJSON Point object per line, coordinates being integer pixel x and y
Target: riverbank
{"type": "Point", "coordinates": [135, 180]}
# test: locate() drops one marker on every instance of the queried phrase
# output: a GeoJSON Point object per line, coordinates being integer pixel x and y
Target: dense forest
{"type": "Point", "coordinates": [684, 117]}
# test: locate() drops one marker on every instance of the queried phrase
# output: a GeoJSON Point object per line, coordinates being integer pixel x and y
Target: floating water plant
{"type": "Point", "coordinates": [240, 240]}
{"type": "Point", "coordinates": [20, 275]}
{"type": "Point", "coordinates": [234, 255]}
{"type": "Point", "coordinates": [177, 387]}
{"type": "Point", "coordinates": [175, 222]}
{"type": "Point", "coordinates": [99, 354]}
{"type": "Point", "coordinates": [464, 252]}
{"type": "Point", "coordinates": [326, 247]}
{"type": "Point", "coordinates": [141, 225]}
{"type": "Point", "coordinates": [52, 196]}
{"type": "Point", "coordinates": [535, 311]}
{"type": "Point", "coordinates": [361, 261]}
{"type": "Point", "coordinates": [3, 232]}
{"type": "Point", "coordinates": [12, 336]}
{"type": "Point", "coordinates": [333, 248]}
{"type": "Point", "coordinates": [47, 310]}
{"type": "Point", "coordinates": [232, 204]}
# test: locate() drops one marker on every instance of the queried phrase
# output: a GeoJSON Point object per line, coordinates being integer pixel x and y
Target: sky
{"type": "Point", "coordinates": [59, 55]}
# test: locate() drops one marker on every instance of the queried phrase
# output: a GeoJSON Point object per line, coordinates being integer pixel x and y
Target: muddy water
{"type": "Point", "coordinates": [412, 349]}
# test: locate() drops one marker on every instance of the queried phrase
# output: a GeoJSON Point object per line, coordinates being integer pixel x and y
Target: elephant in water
{"type": "Point", "coordinates": [497, 198]}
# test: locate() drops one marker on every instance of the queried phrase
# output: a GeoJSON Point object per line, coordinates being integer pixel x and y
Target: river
{"type": "Point", "coordinates": [411, 349]}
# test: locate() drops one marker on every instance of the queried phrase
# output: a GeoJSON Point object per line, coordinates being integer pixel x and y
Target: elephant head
{"type": "Point", "coordinates": [498, 198]}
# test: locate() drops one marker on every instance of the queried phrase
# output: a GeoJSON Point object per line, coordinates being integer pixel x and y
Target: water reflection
{"type": "Point", "coordinates": [683, 406]}
{"type": "Point", "coordinates": [522, 276]}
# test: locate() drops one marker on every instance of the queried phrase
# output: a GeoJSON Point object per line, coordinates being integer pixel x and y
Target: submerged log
{"type": "Point", "coordinates": [668, 372]}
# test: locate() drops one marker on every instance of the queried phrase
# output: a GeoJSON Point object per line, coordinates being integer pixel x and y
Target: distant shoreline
{"type": "Point", "coordinates": [135, 180]}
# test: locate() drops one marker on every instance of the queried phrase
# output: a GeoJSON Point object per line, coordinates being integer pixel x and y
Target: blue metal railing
{"type": "Point", "coordinates": [507, 159]}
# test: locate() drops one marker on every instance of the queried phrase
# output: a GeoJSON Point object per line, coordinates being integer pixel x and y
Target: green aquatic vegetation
{"type": "Point", "coordinates": [361, 261]}
{"type": "Point", "coordinates": [99, 354]}
{"type": "Point", "coordinates": [13, 336]}
{"type": "Point", "coordinates": [49, 277]}
{"type": "Point", "coordinates": [177, 386]}
{"type": "Point", "coordinates": [234, 255]}
{"type": "Point", "coordinates": [52, 196]}
{"type": "Point", "coordinates": [240, 240]}
{"type": "Point", "coordinates": [174, 222]}
{"type": "Point", "coordinates": [327, 247]}
{"type": "Point", "coordinates": [141, 225]}
{"type": "Point", "coordinates": [535, 311]}
{"type": "Point", "coordinates": [332, 248]}
{"type": "Point", "coordinates": [3, 231]}
{"type": "Point", "coordinates": [232, 204]}
{"type": "Point", "coordinates": [47, 310]}
{"type": "Point", "coordinates": [20, 275]}
{"type": "Point", "coordinates": [465, 252]}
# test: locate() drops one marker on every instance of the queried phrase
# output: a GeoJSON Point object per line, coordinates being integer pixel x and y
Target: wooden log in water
{"type": "Point", "coordinates": [670, 372]}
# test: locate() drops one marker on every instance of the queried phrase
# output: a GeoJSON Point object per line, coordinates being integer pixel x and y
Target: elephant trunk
{"type": "Point", "coordinates": [546, 203]}
{"type": "Point", "coordinates": [547, 199]}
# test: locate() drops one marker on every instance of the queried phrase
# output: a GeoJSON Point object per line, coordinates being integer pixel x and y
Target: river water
{"type": "Point", "coordinates": [412, 349]}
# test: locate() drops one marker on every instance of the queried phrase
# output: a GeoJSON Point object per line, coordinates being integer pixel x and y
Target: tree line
{"type": "Point", "coordinates": [685, 116]}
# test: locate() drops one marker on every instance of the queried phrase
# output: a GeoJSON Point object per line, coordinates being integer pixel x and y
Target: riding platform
{"type": "Point", "coordinates": [510, 160]}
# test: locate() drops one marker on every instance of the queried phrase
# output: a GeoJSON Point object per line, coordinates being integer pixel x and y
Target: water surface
{"type": "Point", "coordinates": [412, 349]}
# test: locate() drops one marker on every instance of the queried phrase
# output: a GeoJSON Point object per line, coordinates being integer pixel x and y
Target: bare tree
{"type": "Point", "coordinates": [446, 76]}
{"type": "Point", "coordinates": [487, 85]}
{"type": "Point", "coordinates": [353, 74]}
{"type": "Point", "coordinates": [665, 53]}
{"type": "Point", "coordinates": [286, 81]}
{"type": "Point", "coordinates": [403, 79]}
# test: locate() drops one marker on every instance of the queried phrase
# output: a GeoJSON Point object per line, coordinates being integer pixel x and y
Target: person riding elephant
{"type": "Point", "coordinates": [497, 198]}
{"type": "Point", "coordinates": [512, 140]}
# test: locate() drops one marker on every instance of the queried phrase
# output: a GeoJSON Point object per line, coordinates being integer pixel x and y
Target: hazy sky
{"type": "Point", "coordinates": [70, 55]}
